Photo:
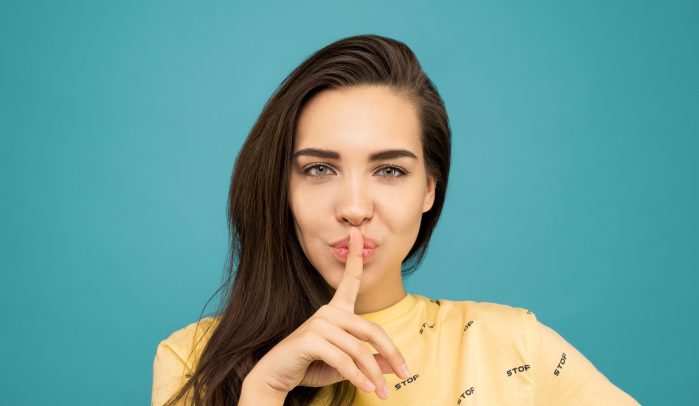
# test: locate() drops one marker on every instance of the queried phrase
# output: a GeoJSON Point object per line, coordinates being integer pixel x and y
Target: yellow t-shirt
{"type": "Point", "coordinates": [458, 352]}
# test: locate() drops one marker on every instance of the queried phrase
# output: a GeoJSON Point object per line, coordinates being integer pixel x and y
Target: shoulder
{"type": "Point", "coordinates": [188, 342]}
{"type": "Point", "coordinates": [500, 321]}
{"type": "Point", "coordinates": [499, 313]}
{"type": "Point", "coordinates": [176, 357]}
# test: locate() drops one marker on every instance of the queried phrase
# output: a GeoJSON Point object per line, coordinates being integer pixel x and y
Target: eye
{"type": "Point", "coordinates": [323, 169]}
{"type": "Point", "coordinates": [394, 171]}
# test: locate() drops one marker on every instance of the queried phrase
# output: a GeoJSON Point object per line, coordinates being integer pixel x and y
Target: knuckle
{"type": "Point", "coordinates": [312, 337]}
{"type": "Point", "coordinates": [320, 313]}
{"type": "Point", "coordinates": [327, 311]}
{"type": "Point", "coordinates": [359, 350]}
{"type": "Point", "coordinates": [395, 355]}
{"type": "Point", "coordinates": [357, 375]}
{"type": "Point", "coordinates": [373, 327]}
{"type": "Point", "coordinates": [317, 324]}
{"type": "Point", "coordinates": [376, 332]}
{"type": "Point", "coordinates": [346, 363]}
{"type": "Point", "coordinates": [377, 376]}
{"type": "Point", "coordinates": [394, 352]}
{"type": "Point", "coordinates": [371, 366]}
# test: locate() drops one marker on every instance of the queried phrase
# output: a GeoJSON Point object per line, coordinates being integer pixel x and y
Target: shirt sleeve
{"type": "Point", "coordinates": [563, 376]}
{"type": "Point", "coordinates": [169, 371]}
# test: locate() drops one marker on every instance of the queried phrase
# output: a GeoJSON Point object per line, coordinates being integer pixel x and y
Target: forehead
{"type": "Point", "coordinates": [358, 119]}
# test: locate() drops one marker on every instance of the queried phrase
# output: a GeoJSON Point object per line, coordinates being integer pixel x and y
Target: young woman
{"type": "Point", "coordinates": [333, 199]}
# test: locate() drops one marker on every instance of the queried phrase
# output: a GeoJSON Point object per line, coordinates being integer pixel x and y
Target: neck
{"type": "Point", "coordinates": [383, 296]}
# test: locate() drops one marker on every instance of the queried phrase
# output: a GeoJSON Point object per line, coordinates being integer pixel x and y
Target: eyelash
{"type": "Point", "coordinates": [402, 171]}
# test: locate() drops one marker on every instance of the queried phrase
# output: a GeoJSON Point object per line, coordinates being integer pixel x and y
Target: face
{"type": "Point", "coordinates": [345, 185]}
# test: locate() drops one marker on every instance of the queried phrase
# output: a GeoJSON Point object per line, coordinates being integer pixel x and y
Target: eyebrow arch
{"type": "Point", "coordinates": [376, 156]}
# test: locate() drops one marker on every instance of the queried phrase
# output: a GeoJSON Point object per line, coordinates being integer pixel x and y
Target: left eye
{"type": "Point", "coordinates": [394, 170]}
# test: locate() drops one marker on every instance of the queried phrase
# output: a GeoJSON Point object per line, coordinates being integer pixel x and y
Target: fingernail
{"type": "Point", "coordinates": [369, 386]}
{"type": "Point", "coordinates": [384, 391]}
{"type": "Point", "coordinates": [404, 370]}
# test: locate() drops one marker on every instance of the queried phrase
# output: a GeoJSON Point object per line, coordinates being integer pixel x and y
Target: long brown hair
{"type": "Point", "coordinates": [270, 287]}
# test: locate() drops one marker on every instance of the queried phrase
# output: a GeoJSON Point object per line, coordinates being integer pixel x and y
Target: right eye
{"type": "Point", "coordinates": [323, 169]}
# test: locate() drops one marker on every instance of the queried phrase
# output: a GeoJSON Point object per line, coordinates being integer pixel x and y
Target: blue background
{"type": "Point", "coordinates": [574, 187]}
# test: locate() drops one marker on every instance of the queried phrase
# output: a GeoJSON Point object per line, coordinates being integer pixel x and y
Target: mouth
{"type": "Point", "coordinates": [340, 248]}
{"type": "Point", "coordinates": [340, 253]}
{"type": "Point", "coordinates": [369, 243]}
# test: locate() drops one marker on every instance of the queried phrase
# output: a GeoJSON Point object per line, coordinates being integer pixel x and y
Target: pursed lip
{"type": "Point", "coordinates": [344, 243]}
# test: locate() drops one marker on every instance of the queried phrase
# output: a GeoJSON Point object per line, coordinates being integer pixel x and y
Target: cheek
{"type": "Point", "coordinates": [400, 213]}
{"type": "Point", "coordinates": [402, 219]}
{"type": "Point", "coordinates": [305, 208]}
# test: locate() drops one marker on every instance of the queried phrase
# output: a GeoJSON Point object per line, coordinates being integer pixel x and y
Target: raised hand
{"type": "Point", "coordinates": [328, 348]}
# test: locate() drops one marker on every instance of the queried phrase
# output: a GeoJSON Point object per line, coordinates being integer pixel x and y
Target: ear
{"type": "Point", "coordinates": [429, 196]}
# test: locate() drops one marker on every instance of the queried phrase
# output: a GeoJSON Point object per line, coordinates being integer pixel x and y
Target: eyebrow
{"type": "Point", "coordinates": [376, 156]}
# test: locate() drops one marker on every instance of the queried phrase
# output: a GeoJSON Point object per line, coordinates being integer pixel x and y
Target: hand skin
{"type": "Point", "coordinates": [256, 392]}
{"type": "Point", "coordinates": [263, 386]}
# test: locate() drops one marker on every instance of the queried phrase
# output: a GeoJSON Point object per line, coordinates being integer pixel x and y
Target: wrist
{"type": "Point", "coordinates": [256, 391]}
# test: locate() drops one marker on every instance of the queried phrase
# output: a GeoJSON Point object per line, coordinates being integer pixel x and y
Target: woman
{"type": "Point", "coordinates": [333, 199]}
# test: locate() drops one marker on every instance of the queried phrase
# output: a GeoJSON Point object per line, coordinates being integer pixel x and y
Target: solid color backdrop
{"type": "Point", "coordinates": [573, 190]}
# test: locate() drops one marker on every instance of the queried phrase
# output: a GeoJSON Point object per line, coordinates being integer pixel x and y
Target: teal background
{"type": "Point", "coordinates": [573, 192]}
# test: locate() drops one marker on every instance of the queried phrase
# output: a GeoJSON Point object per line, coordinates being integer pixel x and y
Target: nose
{"type": "Point", "coordinates": [354, 202]}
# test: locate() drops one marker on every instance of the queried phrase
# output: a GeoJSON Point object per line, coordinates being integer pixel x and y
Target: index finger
{"type": "Point", "coordinates": [346, 293]}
